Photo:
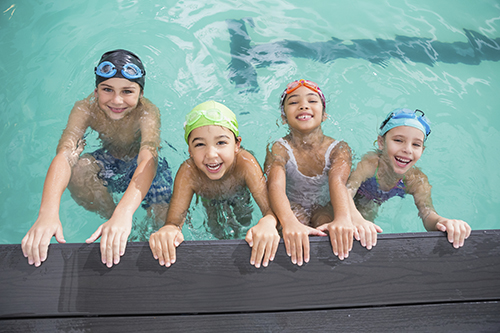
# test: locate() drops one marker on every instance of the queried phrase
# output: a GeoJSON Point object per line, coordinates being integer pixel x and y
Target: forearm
{"type": "Point", "coordinates": [138, 187]}
{"type": "Point", "coordinates": [56, 181]}
{"type": "Point", "coordinates": [341, 202]}
{"type": "Point", "coordinates": [430, 220]}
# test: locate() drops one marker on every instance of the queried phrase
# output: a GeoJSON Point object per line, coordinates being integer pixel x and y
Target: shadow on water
{"type": "Point", "coordinates": [245, 57]}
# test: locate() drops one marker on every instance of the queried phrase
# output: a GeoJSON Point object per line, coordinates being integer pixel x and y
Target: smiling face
{"type": "Point", "coordinates": [304, 110]}
{"type": "Point", "coordinates": [117, 97]}
{"type": "Point", "coordinates": [402, 147]}
{"type": "Point", "coordinates": [213, 149]}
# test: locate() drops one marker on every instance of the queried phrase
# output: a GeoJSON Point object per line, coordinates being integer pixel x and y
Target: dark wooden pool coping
{"type": "Point", "coordinates": [415, 281]}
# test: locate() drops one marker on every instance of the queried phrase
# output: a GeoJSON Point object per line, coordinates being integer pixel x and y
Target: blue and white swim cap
{"type": "Point", "coordinates": [406, 117]}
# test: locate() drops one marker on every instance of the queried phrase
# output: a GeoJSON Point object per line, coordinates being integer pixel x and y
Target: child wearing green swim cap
{"type": "Point", "coordinates": [391, 171]}
{"type": "Point", "coordinates": [129, 130]}
{"type": "Point", "coordinates": [223, 174]}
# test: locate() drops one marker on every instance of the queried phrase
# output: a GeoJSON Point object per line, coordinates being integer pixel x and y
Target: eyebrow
{"type": "Point", "coordinates": [128, 88]}
{"type": "Point", "coordinates": [308, 94]}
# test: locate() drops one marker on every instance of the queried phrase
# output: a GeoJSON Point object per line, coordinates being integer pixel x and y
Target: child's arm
{"type": "Point", "coordinates": [366, 231]}
{"type": "Point", "coordinates": [263, 238]}
{"type": "Point", "coordinates": [295, 234]}
{"type": "Point", "coordinates": [114, 233]}
{"type": "Point", "coordinates": [418, 185]}
{"type": "Point", "coordinates": [164, 241]}
{"type": "Point", "coordinates": [36, 242]}
{"type": "Point", "coordinates": [341, 229]}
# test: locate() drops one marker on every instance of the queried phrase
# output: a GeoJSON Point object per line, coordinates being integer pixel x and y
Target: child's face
{"type": "Point", "coordinates": [304, 109]}
{"type": "Point", "coordinates": [117, 97]}
{"type": "Point", "coordinates": [213, 149]}
{"type": "Point", "coordinates": [403, 147]}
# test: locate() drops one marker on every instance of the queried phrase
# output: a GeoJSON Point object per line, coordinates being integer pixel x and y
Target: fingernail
{"type": "Point", "coordinates": [265, 264]}
{"type": "Point", "coordinates": [162, 262]}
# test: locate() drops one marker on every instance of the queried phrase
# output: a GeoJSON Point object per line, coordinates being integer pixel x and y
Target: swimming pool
{"type": "Point", "coordinates": [243, 55]}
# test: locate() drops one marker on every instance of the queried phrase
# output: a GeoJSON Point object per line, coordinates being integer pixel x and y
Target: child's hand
{"type": "Point", "coordinates": [341, 236]}
{"type": "Point", "coordinates": [296, 239]}
{"type": "Point", "coordinates": [458, 231]}
{"type": "Point", "coordinates": [114, 235]}
{"type": "Point", "coordinates": [163, 244]}
{"type": "Point", "coordinates": [263, 239]}
{"type": "Point", "coordinates": [36, 242]}
{"type": "Point", "coordinates": [366, 232]}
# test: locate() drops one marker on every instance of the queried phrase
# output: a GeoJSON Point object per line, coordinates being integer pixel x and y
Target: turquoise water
{"type": "Point", "coordinates": [243, 55]}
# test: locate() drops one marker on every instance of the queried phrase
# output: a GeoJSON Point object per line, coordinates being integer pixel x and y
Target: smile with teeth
{"type": "Point", "coordinates": [304, 117]}
{"type": "Point", "coordinates": [214, 167]}
{"type": "Point", "coordinates": [402, 162]}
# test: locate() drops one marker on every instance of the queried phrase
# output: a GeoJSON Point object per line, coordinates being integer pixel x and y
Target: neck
{"type": "Point", "coordinates": [386, 175]}
{"type": "Point", "coordinates": [312, 139]}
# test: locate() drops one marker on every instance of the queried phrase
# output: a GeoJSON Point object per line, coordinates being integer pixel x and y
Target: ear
{"type": "Point", "coordinates": [96, 95]}
{"type": "Point", "coordinates": [238, 144]}
{"type": "Point", "coordinates": [380, 142]}
{"type": "Point", "coordinates": [325, 116]}
{"type": "Point", "coordinates": [283, 120]}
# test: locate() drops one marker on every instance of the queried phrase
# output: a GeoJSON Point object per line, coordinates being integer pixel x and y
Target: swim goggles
{"type": "Point", "coordinates": [292, 86]}
{"type": "Point", "coordinates": [212, 117]}
{"type": "Point", "coordinates": [398, 117]}
{"type": "Point", "coordinates": [129, 71]}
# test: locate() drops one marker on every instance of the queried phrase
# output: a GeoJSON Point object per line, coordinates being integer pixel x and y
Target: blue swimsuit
{"type": "Point", "coordinates": [116, 174]}
{"type": "Point", "coordinates": [370, 189]}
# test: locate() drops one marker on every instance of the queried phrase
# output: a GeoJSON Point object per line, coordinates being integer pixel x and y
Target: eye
{"type": "Point", "coordinates": [418, 145]}
{"type": "Point", "coordinates": [107, 89]}
{"type": "Point", "coordinates": [221, 142]}
{"type": "Point", "coordinates": [199, 144]}
{"type": "Point", "coordinates": [128, 92]}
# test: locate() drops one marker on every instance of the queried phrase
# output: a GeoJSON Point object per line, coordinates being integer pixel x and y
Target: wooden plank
{"type": "Point", "coordinates": [215, 277]}
{"type": "Point", "coordinates": [448, 317]}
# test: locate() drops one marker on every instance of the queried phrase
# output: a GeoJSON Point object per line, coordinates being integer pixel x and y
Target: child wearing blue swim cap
{"type": "Point", "coordinates": [391, 171]}
{"type": "Point", "coordinates": [129, 130]}
{"type": "Point", "coordinates": [307, 174]}
{"type": "Point", "coordinates": [224, 175]}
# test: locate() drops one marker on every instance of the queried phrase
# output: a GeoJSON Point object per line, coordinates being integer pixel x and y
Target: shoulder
{"type": "Point", "coordinates": [341, 151]}
{"type": "Point", "coordinates": [245, 160]}
{"type": "Point", "coordinates": [364, 169]}
{"type": "Point", "coordinates": [416, 181]}
{"type": "Point", "coordinates": [277, 154]}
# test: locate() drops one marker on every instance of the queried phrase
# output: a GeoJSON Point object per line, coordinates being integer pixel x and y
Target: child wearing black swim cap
{"type": "Point", "coordinates": [129, 129]}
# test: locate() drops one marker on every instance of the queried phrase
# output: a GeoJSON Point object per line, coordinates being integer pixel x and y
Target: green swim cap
{"type": "Point", "coordinates": [210, 113]}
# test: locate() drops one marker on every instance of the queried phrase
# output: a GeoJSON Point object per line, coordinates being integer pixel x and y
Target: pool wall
{"type": "Point", "coordinates": [414, 281]}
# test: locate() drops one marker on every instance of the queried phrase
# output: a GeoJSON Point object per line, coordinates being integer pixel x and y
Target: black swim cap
{"type": "Point", "coordinates": [120, 59]}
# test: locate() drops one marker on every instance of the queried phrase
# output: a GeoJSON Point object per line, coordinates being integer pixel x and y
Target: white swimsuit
{"type": "Point", "coordinates": [304, 190]}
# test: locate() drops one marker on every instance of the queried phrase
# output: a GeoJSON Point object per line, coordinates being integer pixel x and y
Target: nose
{"type": "Point", "coordinates": [211, 152]}
{"type": "Point", "coordinates": [117, 99]}
{"type": "Point", "coordinates": [303, 105]}
{"type": "Point", "coordinates": [407, 147]}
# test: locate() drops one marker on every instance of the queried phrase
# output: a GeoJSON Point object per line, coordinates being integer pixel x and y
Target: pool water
{"type": "Point", "coordinates": [368, 57]}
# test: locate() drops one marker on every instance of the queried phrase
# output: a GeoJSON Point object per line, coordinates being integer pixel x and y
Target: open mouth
{"type": "Point", "coordinates": [214, 168]}
{"type": "Point", "coordinates": [304, 117]}
{"type": "Point", "coordinates": [117, 110]}
{"type": "Point", "coordinates": [402, 162]}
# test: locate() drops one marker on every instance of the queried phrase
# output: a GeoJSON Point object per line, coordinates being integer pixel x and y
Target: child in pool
{"type": "Point", "coordinates": [307, 176]}
{"type": "Point", "coordinates": [391, 171]}
{"type": "Point", "coordinates": [219, 170]}
{"type": "Point", "coordinates": [129, 129]}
